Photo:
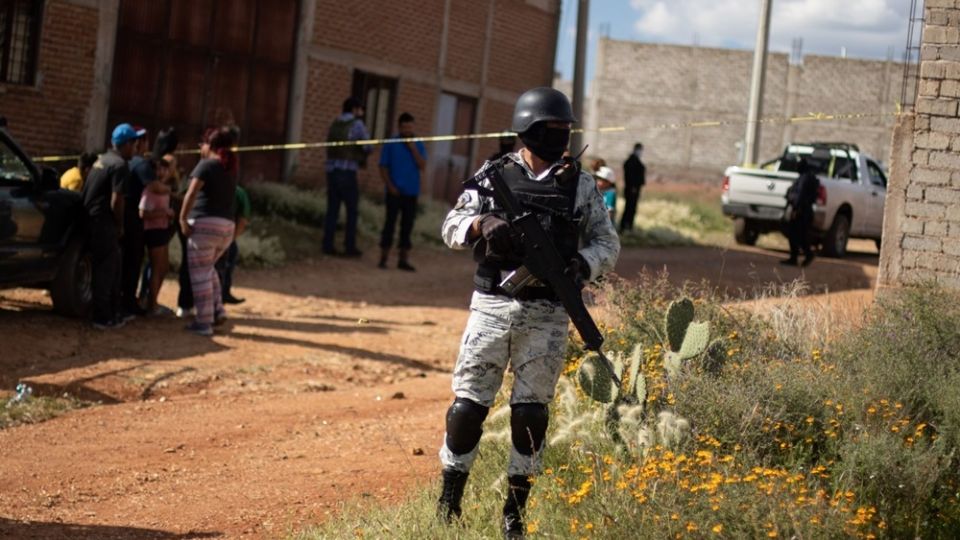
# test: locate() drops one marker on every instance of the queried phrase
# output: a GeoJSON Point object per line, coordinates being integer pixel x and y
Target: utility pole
{"type": "Point", "coordinates": [579, 71]}
{"type": "Point", "coordinates": [752, 139]}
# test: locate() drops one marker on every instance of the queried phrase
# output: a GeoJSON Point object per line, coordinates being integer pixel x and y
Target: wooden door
{"type": "Point", "coordinates": [193, 64]}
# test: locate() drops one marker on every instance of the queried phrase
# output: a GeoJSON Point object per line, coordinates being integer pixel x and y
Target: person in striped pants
{"type": "Point", "coordinates": [206, 218]}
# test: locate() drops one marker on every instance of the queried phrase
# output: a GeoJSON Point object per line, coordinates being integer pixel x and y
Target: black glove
{"type": "Point", "coordinates": [500, 236]}
{"type": "Point", "coordinates": [578, 270]}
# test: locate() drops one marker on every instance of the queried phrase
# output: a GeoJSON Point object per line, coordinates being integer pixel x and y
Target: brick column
{"type": "Point", "coordinates": [922, 216]}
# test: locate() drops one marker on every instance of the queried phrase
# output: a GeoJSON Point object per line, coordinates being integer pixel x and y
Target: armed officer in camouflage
{"type": "Point", "coordinates": [529, 330]}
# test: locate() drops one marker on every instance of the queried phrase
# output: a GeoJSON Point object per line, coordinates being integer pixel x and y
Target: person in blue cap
{"type": "Point", "coordinates": [103, 201]}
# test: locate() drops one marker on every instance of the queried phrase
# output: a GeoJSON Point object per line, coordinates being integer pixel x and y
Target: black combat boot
{"type": "Point", "coordinates": [448, 507]}
{"type": "Point", "coordinates": [518, 490]}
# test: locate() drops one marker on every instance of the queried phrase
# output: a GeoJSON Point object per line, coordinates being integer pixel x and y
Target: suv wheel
{"type": "Point", "coordinates": [72, 288]}
{"type": "Point", "coordinates": [835, 242]}
{"type": "Point", "coordinates": [744, 232]}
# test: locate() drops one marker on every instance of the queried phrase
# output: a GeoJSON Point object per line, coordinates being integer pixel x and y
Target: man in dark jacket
{"type": "Point", "coordinates": [103, 199]}
{"type": "Point", "coordinates": [634, 177]}
{"type": "Point", "coordinates": [801, 197]}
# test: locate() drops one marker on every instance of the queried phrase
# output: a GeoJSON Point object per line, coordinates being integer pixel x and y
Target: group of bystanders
{"type": "Point", "coordinates": [134, 205]}
{"type": "Point", "coordinates": [401, 164]}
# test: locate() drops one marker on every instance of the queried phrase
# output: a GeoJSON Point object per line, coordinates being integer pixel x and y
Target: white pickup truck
{"type": "Point", "coordinates": [853, 189]}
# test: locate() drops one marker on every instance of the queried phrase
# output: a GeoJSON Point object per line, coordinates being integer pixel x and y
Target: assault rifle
{"type": "Point", "coordinates": [542, 260]}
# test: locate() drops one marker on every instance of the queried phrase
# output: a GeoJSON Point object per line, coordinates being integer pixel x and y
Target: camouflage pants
{"type": "Point", "coordinates": [531, 336]}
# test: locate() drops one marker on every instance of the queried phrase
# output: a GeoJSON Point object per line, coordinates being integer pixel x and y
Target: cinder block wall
{"type": "Point", "coordinates": [641, 86]}
{"type": "Point", "coordinates": [921, 241]}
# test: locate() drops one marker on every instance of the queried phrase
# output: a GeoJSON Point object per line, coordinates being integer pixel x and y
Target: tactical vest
{"type": "Point", "coordinates": [340, 131]}
{"type": "Point", "coordinates": [555, 206]}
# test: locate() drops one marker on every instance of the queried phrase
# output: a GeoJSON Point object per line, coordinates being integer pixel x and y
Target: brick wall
{"type": "Point", "coordinates": [401, 40]}
{"type": "Point", "coordinates": [640, 85]}
{"type": "Point", "coordinates": [48, 117]}
{"type": "Point", "coordinates": [921, 240]}
{"type": "Point", "coordinates": [404, 40]}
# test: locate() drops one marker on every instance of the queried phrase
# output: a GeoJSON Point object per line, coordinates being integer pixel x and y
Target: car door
{"type": "Point", "coordinates": [21, 219]}
{"type": "Point", "coordinates": [846, 171]}
{"type": "Point", "coordinates": [877, 183]}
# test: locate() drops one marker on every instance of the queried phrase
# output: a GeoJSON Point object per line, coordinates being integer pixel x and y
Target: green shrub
{"type": "Point", "coordinates": [309, 208]}
{"type": "Point", "coordinates": [257, 251]}
{"type": "Point", "coordinates": [270, 199]}
{"type": "Point", "coordinates": [671, 221]}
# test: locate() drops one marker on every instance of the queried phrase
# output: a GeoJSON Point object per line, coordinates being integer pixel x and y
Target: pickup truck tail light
{"type": "Point", "coordinates": [821, 196]}
{"type": "Point", "coordinates": [726, 184]}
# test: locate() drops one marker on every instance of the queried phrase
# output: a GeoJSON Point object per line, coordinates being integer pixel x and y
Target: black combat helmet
{"type": "Point", "coordinates": [541, 105]}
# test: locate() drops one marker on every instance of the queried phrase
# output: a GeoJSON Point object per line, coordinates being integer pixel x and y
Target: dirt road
{"type": "Point", "coordinates": [329, 384]}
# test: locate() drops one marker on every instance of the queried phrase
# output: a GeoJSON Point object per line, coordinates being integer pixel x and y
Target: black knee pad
{"type": "Point", "coordinates": [528, 424]}
{"type": "Point", "coordinates": [465, 425]}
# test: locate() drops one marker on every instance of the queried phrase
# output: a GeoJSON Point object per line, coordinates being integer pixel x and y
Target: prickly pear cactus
{"type": "Point", "coordinates": [678, 318]}
{"type": "Point", "coordinates": [640, 389]}
{"type": "Point", "coordinates": [686, 339]}
{"type": "Point", "coordinates": [596, 380]}
{"type": "Point", "coordinates": [626, 415]}
{"type": "Point", "coordinates": [672, 363]}
{"type": "Point", "coordinates": [696, 340]}
{"type": "Point", "coordinates": [597, 383]}
{"type": "Point", "coordinates": [716, 356]}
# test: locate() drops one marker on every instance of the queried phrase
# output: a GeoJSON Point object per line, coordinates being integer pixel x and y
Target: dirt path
{"type": "Point", "coordinates": [330, 385]}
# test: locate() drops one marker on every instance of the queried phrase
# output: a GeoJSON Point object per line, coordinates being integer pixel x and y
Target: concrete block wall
{"type": "Point", "coordinates": [643, 86]}
{"type": "Point", "coordinates": [921, 241]}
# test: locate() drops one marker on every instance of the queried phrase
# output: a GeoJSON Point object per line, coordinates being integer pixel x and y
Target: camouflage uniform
{"type": "Point", "coordinates": [530, 335]}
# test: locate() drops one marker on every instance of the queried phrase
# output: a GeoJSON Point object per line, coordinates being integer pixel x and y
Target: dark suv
{"type": "Point", "coordinates": [42, 240]}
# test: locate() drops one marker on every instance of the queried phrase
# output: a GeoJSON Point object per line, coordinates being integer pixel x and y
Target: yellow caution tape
{"type": "Point", "coordinates": [810, 117]}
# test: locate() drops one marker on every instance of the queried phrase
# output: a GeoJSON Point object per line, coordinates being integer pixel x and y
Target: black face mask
{"type": "Point", "coordinates": [546, 143]}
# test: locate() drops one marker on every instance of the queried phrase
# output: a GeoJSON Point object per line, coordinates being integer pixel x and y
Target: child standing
{"type": "Point", "coordinates": [157, 215]}
{"type": "Point", "coordinates": [605, 183]}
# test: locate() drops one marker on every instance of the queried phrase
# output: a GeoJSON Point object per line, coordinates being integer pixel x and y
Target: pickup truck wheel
{"type": "Point", "coordinates": [744, 232]}
{"type": "Point", "coordinates": [835, 242]}
{"type": "Point", "coordinates": [72, 288]}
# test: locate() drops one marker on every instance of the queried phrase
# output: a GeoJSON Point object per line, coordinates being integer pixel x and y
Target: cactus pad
{"type": "Point", "coordinates": [636, 361]}
{"type": "Point", "coordinates": [695, 341]}
{"type": "Point", "coordinates": [672, 363]}
{"type": "Point", "coordinates": [596, 380]}
{"type": "Point", "coordinates": [716, 357]}
{"type": "Point", "coordinates": [640, 389]}
{"type": "Point", "coordinates": [679, 316]}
